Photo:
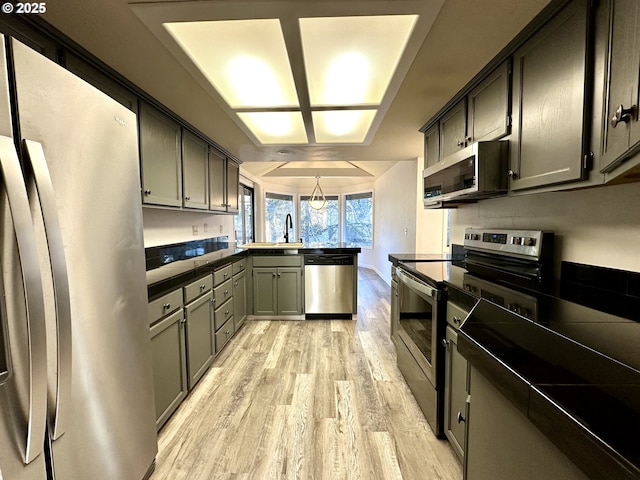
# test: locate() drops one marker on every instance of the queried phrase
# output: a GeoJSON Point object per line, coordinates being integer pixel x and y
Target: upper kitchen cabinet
{"type": "Point", "coordinates": [224, 176]}
{"type": "Point", "coordinates": [488, 114]}
{"type": "Point", "coordinates": [620, 42]}
{"type": "Point", "coordinates": [453, 129]}
{"type": "Point", "coordinates": [195, 166]}
{"type": "Point", "coordinates": [551, 74]}
{"type": "Point", "coordinates": [160, 156]}
{"type": "Point", "coordinates": [217, 181]}
{"type": "Point", "coordinates": [432, 146]}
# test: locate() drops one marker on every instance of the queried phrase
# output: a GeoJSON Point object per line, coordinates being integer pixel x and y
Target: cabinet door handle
{"type": "Point", "coordinates": [460, 143]}
{"type": "Point", "coordinates": [147, 192]}
{"type": "Point", "coordinates": [461, 419]}
{"type": "Point", "coordinates": [513, 174]}
{"type": "Point", "coordinates": [623, 115]}
{"type": "Point", "coordinates": [445, 343]}
{"type": "Point", "coordinates": [187, 198]}
{"type": "Point", "coordinates": [226, 292]}
{"type": "Point", "coordinates": [274, 275]}
{"type": "Point", "coordinates": [468, 139]}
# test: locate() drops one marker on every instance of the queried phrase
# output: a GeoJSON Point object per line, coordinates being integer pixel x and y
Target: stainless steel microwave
{"type": "Point", "coordinates": [475, 172]}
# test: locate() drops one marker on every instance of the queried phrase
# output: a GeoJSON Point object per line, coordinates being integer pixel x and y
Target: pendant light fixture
{"type": "Point", "coordinates": [317, 200]}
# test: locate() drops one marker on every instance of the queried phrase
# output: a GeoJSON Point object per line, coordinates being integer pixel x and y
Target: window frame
{"type": "Point", "coordinates": [344, 216]}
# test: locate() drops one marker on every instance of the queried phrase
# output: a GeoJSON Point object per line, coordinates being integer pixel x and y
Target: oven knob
{"type": "Point", "coordinates": [530, 241]}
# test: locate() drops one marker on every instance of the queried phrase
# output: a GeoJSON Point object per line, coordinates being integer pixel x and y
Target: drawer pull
{"type": "Point", "coordinates": [166, 306]}
{"type": "Point", "coordinates": [445, 342]}
{"type": "Point", "coordinates": [203, 286]}
{"type": "Point", "coordinates": [457, 320]}
{"type": "Point", "coordinates": [461, 419]}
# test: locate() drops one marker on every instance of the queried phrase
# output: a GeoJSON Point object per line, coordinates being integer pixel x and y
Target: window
{"type": "Point", "coordinates": [320, 225]}
{"type": "Point", "coordinates": [359, 219]}
{"type": "Point", "coordinates": [277, 206]}
{"type": "Point", "coordinates": [244, 219]}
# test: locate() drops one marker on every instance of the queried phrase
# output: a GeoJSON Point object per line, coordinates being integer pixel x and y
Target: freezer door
{"type": "Point", "coordinates": [88, 145]}
{"type": "Point", "coordinates": [22, 333]}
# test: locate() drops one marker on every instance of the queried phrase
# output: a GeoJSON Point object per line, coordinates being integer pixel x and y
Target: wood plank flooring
{"type": "Point", "coordinates": [318, 399]}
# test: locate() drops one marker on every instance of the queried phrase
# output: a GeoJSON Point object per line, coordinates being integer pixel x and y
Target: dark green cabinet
{"type": "Point", "coordinates": [488, 114]}
{"type": "Point", "coordinates": [277, 291]}
{"type": "Point", "coordinates": [169, 360]}
{"type": "Point", "coordinates": [621, 129]}
{"type": "Point", "coordinates": [550, 89]}
{"type": "Point", "coordinates": [195, 168]}
{"type": "Point", "coordinates": [232, 183]}
{"type": "Point", "coordinates": [432, 146]}
{"type": "Point", "coordinates": [160, 156]}
{"type": "Point", "coordinates": [239, 299]}
{"type": "Point", "coordinates": [200, 339]}
{"type": "Point", "coordinates": [217, 181]}
{"type": "Point", "coordinates": [453, 129]}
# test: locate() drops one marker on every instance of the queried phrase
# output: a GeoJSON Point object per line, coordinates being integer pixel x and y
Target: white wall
{"type": "Point", "coordinates": [162, 227]}
{"type": "Point", "coordinates": [430, 223]}
{"type": "Point", "coordinates": [599, 226]}
{"type": "Point", "coordinates": [394, 217]}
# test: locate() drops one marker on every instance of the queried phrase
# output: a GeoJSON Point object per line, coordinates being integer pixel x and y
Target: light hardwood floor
{"type": "Point", "coordinates": [318, 399]}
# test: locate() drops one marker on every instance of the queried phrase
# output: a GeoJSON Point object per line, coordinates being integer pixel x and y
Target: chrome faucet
{"type": "Point", "coordinates": [288, 223]}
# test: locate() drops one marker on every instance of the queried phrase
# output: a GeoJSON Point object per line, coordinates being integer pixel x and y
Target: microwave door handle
{"type": "Point", "coordinates": [415, 285]}
{"type": "Point", "coordinates": [58, 413]}
{"type": "Point", "coordinates": [27, 251]}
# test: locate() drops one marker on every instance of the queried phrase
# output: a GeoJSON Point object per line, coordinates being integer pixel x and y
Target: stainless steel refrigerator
{"type": "Point", "coordinates": [76, 383]}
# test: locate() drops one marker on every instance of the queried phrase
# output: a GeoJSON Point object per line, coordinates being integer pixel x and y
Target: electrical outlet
{"type": "Point", "coordinates": [221, 228]}
{"type": "Point", "coordinates": [406, 231]}
{"type": "Point", "coordinates": [206, 227]}
{"type": "Point", "coordinates": [195, 229]}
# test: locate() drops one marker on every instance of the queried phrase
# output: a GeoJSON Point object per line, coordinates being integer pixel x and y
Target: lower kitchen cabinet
{"type": "Point", "coordinates": [502, 444]}
{"type": "Point", "coordinates": [239, 299]}
{"type": "Point", "coordinates": [395, 312]}
{"type": "Point", "coordinates": [169, 359]}
{"type": "Point", "coordinates": [455, 381]}
{"type": "Point", "coordinates": [224, 307]}
{"type": "Point", "coordinates": [277, 285]}
{"type": "Point", "coordinates": [200, 341]}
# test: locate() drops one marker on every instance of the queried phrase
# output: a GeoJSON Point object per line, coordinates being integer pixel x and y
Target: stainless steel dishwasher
{"type": "Point", "coordinates": [328, 285]}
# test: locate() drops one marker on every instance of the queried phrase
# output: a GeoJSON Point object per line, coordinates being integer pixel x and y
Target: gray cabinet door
{"type": "Point", "coordinates": [161, 162]}
{"type": "Point", "coordinates": [265, 291]}
{"type": "Point", "coordinates": [217, 181]}
{"type": "Point", "coordinates": [169, 365]}
{"type": "Point", "coordinates": [289, 291]}
{"type": "Point", "coordinates": [453, 129]}
{"type": "Point", "coordinates": [488, 106]}
{"type": "Point", "coordinates": [432, 146]}
{"type": "Point", "coordinates": [233, 182]}
{"type": "Point", "coordinates": [239, 299]}
{"type": "Point", "coordinates": [195, 171]}
{"type": "Point", "coordinates": [622, 82]}
{"type": "Point", "coordinates": [200, 337]}
{"type": "Point", "coordinates": [549, 86]}
{"type": "Point", "coordinates": [455, 393]}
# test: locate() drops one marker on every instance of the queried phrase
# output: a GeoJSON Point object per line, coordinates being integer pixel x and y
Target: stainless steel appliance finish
{"type": "Point", "coordinates": [477, 171]}
{"type": "Point", "coordinates": [328, 284]}
{"type": "Point", "coordinates": [420, 332]}
{"type": "Point", "coordinates": [75, 372]}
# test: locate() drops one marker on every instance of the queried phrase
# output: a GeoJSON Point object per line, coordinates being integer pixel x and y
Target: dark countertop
{"type": "Point", "coordinates": [174, 275]}
{"type": "Point", "coordinates": [574, 371]}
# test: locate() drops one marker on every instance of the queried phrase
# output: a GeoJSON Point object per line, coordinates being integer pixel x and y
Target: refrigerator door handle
{"type": "Point", "coordinates": [26, 241]}
{"type": "Point", "coordinates": [58, 413]}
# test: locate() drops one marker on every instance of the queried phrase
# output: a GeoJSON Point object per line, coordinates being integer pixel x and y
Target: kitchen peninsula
{"type": "Point", "coordinates": [201, 292]}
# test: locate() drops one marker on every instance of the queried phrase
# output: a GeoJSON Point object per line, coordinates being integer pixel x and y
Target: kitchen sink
{"type": "Point", "coordinates": [269, 245]}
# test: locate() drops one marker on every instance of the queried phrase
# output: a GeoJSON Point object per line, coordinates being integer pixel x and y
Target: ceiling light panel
{"type": "Point", "coordinates": [275, 128]}
{"type": "Point", "coordinates": [350, 61]}
{"type": "Point", "coordinates": [342, 126]}
{"type": "Point", "coordinates": [245, 60]}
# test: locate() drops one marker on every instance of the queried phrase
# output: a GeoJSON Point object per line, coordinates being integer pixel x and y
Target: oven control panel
{"type": "Point", "coordinates": [532, 244]}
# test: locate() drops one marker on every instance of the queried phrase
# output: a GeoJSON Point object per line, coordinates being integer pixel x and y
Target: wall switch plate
{"type": "Point", "coordinates": [206, 227]}
{"type": "Point", "coordinates": [221, 228]}
{"type": "Point", "coordinates": [195, 229]}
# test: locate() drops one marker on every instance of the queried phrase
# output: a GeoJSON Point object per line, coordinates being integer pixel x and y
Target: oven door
{"type": "Point", "coordinates": [418, 328]}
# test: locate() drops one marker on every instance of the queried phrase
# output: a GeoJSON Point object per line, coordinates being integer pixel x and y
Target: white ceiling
{"type": "Point", "coordinates": [464, 37]}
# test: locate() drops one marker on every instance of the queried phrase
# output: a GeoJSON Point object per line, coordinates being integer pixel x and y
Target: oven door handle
{"type": "Point", "coordinates": [415, 284]}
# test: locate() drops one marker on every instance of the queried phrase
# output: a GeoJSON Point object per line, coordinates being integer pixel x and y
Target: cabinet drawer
{"type": "Point", "coordinates": [197, 288]}
{"type": "Point", "coordinates": [223, 292]}
{"type": "Point", "coordinates": [222, 314]}
{"type": "Point", "coordinates": [456, 314]}
{"type": "Point", "coordinates": [164, 305]}
{"type": "Point", "coordinates": [239, 266]}
{"type": "Point", "coordinates": [277, 261]}
{"type": "Point", "coordinates": [224, 334]}
{"type": "Point", "coordinates": [222, 275]}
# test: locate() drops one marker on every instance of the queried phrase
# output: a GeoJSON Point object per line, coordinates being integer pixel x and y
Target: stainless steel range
{"type": "Point", "coordinates": [492, 260]}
